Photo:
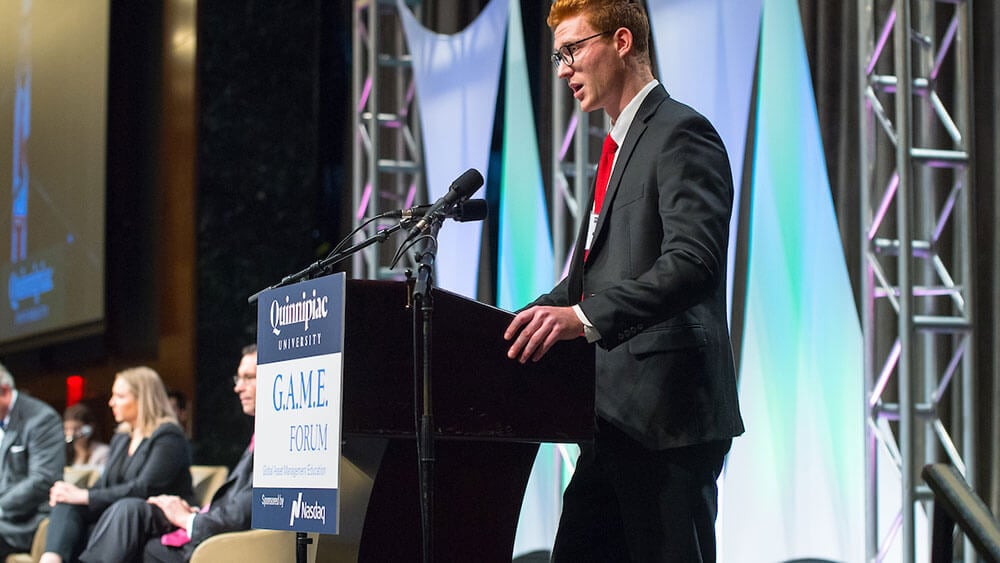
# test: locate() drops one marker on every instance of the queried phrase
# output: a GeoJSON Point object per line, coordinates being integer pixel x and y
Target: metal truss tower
{"type": "Point", "coordinates": [575, 142]}
{"type": "Point", "coordinates": [387, 170]}
{"type": "Point", "coordinates": [917, 248]}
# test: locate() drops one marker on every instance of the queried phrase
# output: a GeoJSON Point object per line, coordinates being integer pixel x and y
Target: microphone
{"type": "Point", "coordinates": [85, 431]}
{"type": "Point", "coordinates": [463, 187]}
{"type": "Point", "coordinates": [468, 210]}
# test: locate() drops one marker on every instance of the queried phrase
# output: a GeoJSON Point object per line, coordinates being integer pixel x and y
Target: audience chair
{"type": "Point", "coordinates": [252, 545]}
{"type": "Point", "coordinates": [270, 545]}
{"type": "Point", "coordinates": [37, 546]}
{"type": "Point", "coordinates": [247, 546]}
{"type": "Point", "coordinates": [355, 491]}
{"type": "Point", "coordinates": [206, 479]}
{"type": "Point", "coordinates": [79, 476]}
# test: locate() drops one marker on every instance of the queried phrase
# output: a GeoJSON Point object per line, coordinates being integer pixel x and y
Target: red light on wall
{"type": "Point", "coordinates": [74, 389]}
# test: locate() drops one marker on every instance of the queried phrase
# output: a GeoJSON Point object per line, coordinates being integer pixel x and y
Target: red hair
{"type": "Point", "coordinates": [607, 15]}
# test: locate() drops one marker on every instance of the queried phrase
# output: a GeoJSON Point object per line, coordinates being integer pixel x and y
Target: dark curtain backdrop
{"type": "Point", "coordinates": [830, 30]}
{"type": "Point", "coordinates": [273, 132]}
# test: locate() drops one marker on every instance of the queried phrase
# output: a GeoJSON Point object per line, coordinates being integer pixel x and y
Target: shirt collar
{"type": "Point", "coordinates": [624, 121]}
{"type": "Point", "coordinates": [6, 420]}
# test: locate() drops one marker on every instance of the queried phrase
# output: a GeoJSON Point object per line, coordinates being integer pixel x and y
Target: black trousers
{"type": "Point", "coordinates": [130, 530]}
{"type": "Point", "coordinates": [68, 529]}
{"type": "Point", "coordinates": [628, 503]}
{"type": "Point", "coordinates": [6, 549]}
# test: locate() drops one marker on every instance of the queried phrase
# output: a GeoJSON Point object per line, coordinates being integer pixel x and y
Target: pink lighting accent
{"type": "Point", "coordinates": [949, 37]}
{"type": "Point", "coordinates": [886, 30]}
{"type": "Point", "coordinates": [887, 369]}
{"type": "Point", "coordinates": [570, 130]}
{"type": "Point", "coordinates": [883, 207]}
{"type": "Point", "coordinates": [365, 92]}
{"type": "Point", "coordinates": [411, 195]}
{"type": "Point", "coordinates": [411, 91]}
{"type": "Point", "coordinates": [365, 197]}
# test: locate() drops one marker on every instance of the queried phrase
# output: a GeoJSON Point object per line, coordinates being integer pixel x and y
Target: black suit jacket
{"type": "Point", "coordinates": [230, 507]}
{"type": "Point", "coordinates": [654, 282]}
{"type": "Point", "coordinates": [32, 456]}
{"type": "Point", "coordinates": [160, 465]}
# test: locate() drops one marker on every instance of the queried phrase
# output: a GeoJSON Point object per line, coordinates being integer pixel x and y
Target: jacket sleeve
{"type": "Point", "coordinates": [44, 448]}
{"type": "Point", "coordinates": [558, 297]}
{"type": "Point", "coordinates": [232, 514]}
{"type": "Point", "coordinates": [168, 456]}
{"type": "Point", "coordinates": [690, 177]}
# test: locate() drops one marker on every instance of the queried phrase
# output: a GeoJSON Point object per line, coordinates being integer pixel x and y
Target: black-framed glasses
{"type": "Point", "coordinates": [237, 379]}
{"type": "Point", "coordinates": [565, 53]}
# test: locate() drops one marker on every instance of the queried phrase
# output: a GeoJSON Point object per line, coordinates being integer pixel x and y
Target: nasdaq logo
{"type": "Point", "coordinates": [305, 511]}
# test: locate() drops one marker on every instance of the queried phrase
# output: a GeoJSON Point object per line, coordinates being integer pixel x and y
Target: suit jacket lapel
{"type": "Point", "coordinates": [646, 111]}
{"type": "Point", "coordinates": [576, 263]}
{"type": "Point", "coordinates": [244, 465]}
{"type": "Point", "coordinates": [10, 435]}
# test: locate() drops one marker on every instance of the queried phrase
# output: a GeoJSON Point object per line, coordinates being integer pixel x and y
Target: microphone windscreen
{"type": "Point", "coordinates": [472, 210]}
{"type": "Point", "coordinates": [467, 184]}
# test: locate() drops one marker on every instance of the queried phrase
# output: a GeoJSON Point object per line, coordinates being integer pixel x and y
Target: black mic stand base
{"type": "Point", "coordinates": [302, 541]}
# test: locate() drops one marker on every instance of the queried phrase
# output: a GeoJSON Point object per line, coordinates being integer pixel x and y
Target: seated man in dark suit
{"type": "Point", "coordinates": [165, 528]}
{"type": "Point", "coordinates": [32, 456]}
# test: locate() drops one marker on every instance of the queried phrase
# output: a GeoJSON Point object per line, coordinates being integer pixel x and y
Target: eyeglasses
{"type": "Point", "coordinates": [565, 53]}
{"type": "Point", "coordinates": [239, 378]}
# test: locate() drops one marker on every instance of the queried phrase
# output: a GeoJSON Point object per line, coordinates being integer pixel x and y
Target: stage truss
{"type": "Point", "coordinates": [387, 170]}
{"type": "Point", "coordinates": [917, 248]}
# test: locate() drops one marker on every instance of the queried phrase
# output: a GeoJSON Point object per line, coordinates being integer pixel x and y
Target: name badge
{"type": "Point", "coordinates": [591, 229]}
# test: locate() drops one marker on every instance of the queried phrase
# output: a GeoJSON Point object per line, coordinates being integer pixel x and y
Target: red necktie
{"type": "Point", "coordinates": [604, 172]}
{"type": "Point", "coordinates": [603, 175]}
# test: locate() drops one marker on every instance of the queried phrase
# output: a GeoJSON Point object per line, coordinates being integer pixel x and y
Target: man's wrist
{"type": "Point", "coordinates": [589, 332]}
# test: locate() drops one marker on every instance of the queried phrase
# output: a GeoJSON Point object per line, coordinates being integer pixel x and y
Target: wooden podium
{"type": "Point", "coordinates": [490, 413]}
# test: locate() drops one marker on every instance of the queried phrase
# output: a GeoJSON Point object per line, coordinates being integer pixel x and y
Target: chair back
{"type": "Point", "coordinates": [253, 545]}
{"type": "Point", "coordinates": [206, 479]}
{"type": "Point", "coordinates": [82, 477]}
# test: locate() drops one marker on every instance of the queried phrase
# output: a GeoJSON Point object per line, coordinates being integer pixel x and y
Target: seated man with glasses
{"type": "Point", "coordinates": [165, 528]}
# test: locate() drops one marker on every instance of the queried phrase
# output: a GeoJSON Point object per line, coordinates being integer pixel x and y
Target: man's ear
{"type": "Point", "coordinates": [623, 41]}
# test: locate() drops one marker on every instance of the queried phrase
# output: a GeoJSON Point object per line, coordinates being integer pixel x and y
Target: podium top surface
{"type": "Point", "coordinates": [477, 392]}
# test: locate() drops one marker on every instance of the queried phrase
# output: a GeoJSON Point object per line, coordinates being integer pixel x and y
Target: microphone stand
{"type": "Point", "coordinates": [316, 267]}
{"type": "Point", "coordinates": [302, 540]}
{"type": "Point", "coordinates": [423, 307]}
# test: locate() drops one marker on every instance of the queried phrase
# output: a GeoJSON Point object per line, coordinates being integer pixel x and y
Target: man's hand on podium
{"type": "Point", "coordinates": [537, 329]}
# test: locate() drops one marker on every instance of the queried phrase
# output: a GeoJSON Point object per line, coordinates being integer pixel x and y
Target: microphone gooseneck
{"type": "Point", "coordinates": [463, 187]}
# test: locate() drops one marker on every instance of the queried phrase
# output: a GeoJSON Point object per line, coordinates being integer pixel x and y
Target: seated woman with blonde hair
{"type": "Point", "coordinates": [149, 456]}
